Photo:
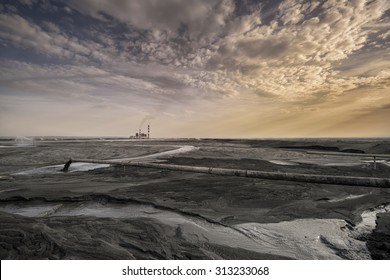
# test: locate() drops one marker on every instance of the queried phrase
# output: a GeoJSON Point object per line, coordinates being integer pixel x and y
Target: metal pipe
{"type": "Point", "coordinates": [348, 154]}
{"type": "Point", "coordinates": [309, 178]}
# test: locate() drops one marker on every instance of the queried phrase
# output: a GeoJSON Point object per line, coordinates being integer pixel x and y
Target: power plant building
{"type": "Point", "coordinates": [141, 135]}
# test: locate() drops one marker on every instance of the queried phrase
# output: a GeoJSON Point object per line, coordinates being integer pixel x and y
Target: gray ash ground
{"type": "Point", "coordinates": [107, 212]}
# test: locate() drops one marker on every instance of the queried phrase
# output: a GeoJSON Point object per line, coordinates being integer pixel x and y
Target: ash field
{"type": "Point", "coordinates": [103, 211]}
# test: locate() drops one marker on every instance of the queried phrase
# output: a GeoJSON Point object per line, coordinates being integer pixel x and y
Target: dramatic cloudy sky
{"type": "Point", "coordinates": [195, 68]}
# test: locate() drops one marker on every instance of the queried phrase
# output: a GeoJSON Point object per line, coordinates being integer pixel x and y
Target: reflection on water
{"type": "Point", "coordinates": [53, 169]}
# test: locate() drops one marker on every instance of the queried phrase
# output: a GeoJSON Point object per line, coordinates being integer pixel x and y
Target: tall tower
{"type": "Point", "coordinates": [148, 131]}
{"type": "Point", "coordinates": [139, 134]}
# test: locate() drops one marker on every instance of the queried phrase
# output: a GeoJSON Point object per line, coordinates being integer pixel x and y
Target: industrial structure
{"type": "Point", "coordinates": [141, 135]}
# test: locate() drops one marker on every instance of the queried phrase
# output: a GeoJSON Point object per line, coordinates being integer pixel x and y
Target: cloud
{"type": "Point", "coordinates": [159, 56]}
{"type": "Point", "coordinates": [292, 56]}
{"type": "Point", "coordinates": [183, 34]}
{"type": "Point", "coordinates": [135, 84]}
{"type": "Point", "coordinates": [28, 3]}
{"type": "Point", "coordinates": [295, 54]}
{"type": "Point", "coordinates": [385, 35]}
{"type": "Point", "coordinates": [21, 33]}
{"type": "Point", "coordinates": [194, 17]}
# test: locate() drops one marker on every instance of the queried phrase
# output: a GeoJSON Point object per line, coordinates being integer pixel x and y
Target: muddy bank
{"type": "Point", "coordinates": [378, 242]}
{"type": "Point", "coordinates": [380, 145]}
{"type": "Point", "coordinates": [108, 230]}
{"type": "Point", "coordinates": [124, 228]}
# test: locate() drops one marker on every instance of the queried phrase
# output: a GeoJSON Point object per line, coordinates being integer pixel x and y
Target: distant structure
{"type": "Point", "coordinates": [141, 135]}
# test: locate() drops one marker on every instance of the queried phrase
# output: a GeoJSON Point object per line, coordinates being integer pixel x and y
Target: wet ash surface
{"type": "Point", "coordinates": [139, 213]}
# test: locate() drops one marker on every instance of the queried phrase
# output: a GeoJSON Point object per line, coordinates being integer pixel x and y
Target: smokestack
{"type": "Point", "coordinates": [148, 131]}
{"type": "Point", "coordinates": [139, 134]}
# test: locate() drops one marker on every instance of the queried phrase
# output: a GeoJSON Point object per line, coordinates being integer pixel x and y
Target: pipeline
{"type": "Point", "coordinates": [297, 177]}
{"type": "Point", "coordinates": [348, 154]}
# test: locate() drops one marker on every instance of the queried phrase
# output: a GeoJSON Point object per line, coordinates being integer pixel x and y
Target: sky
{"type": "Point", "coordinates": [195, 68]}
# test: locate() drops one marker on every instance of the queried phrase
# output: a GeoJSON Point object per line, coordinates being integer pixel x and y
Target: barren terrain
{"type": "Point", "coordinates": [110, 212]}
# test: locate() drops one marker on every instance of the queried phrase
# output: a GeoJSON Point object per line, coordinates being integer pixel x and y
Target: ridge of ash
{"type": "Point", "coordinates": [105, 199]}
{"type": "Point", "coordinates": [323, 148]}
